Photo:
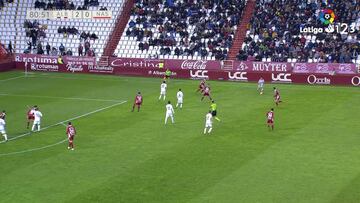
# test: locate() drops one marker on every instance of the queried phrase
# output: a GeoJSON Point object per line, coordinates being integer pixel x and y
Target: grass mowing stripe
{"type": "Point", "coordinates": [53, 97]}
{"type": "Point", "coordinates": [62, 122]}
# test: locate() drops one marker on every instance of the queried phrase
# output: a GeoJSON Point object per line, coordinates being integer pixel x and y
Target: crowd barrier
{"type": "Point", "coordinates": [300, 73]}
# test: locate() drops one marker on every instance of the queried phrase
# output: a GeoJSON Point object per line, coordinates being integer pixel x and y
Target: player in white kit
{"type": "Point", "coordinates": [180, 98]}
{"type": "Point", "coordinates": [169, 112]}
{"type": "Point", "coordinates": [208, 123]}
{"type": "Point", "coordinates": [2, 129]}
{"type": "Point", "coordinates": [163, 87]}
{"type": "Point", "coordinates": [37, 120]}
{"type": "Point", "coordinates": [261, 83]}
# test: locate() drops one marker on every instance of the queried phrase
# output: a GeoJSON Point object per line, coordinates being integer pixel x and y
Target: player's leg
{"type": "Point", "coordinates": [33, 126]}
{"type": "Point", "coordinates": [210, 97]}
{"type": "Point", "coordinates": [139, 107]}
{"type": "Point", "coordinates": [181, 105]}
{"type": "Point", "coordinates": [164, 96]}
{"type": "Point", "coordinates": [205, 130]}
{"type": "Point", "coordinates": [177, 104]}
{"type": "Point", "coordinates": [38, 126]}
{"type": "Point", "coordinates": [28, 124]}
{"type": "Point", "coordinates": [172, 118]}
{"type": "Point", "coordinates": [210, 129]}
{"type": "Point", "coordinates": [133, 108]}
{"type": "Point", "coordinates": [4, 135]}
{"type": "Point", "coordinates": [166, 118]}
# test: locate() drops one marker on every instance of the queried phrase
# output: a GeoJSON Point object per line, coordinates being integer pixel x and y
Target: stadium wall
{"type": "Point", "coordinates": [298, 73]}
{"type": "Point", "coordinates": [7, 64]}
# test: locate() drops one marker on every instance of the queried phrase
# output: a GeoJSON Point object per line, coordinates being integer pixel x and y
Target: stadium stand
{"type": "Point", "coordinates": [274, 33]}
{"type": "Point", "coordinates": [186, 29]}
{"type": "Point", "coordinates": [15, 27]}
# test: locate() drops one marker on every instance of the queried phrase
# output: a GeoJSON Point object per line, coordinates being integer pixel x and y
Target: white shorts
{"type": "Point", "coordinates": [180, 101]}
{"type": "Point", "coordinates": [208, 125]}
{"type": "Point", "coordinates": [260, 86]}
{"type": "Point", "coordinates": [2, 131]}
{"type": "Point", "coordinates": [36, 122]}
{"type": "Point", "coordinates": [163, 92]}
{"type": "Point", "coordinates": [169, 114]}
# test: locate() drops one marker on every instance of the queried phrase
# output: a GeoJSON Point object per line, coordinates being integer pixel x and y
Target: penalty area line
{"type": "Point", "coordinates": [64, 121]}
{"type": "Point", "coordinates": [13, 78]}
{"type": "Point", "coordinates": [34, 149]}
{"type": "Point", "coordinates": [54, 97]}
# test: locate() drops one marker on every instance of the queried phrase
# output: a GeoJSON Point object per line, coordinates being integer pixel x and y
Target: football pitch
{"type": "Point", "coordinates": [123, 156]}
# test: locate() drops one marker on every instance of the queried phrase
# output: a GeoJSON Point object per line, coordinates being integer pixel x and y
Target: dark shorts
{"type": "Point", "coordinates": [167, 76]}
{"type": "Point", "coordinates": [213, 113]}
{"type": "Point", "coordinates": [31, 117]}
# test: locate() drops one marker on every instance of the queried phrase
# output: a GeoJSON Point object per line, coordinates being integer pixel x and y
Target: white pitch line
{"type": "Point", "coordinates": [53, 97]}
{"type": "Point", "coordinates": [34, 149]}
{"type": "Point", "coordinates": [62, 122]}
{"type": "Point", "coordinates": [13, 78]}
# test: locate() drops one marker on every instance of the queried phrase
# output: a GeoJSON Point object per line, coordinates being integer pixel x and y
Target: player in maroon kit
{"type": "Point", "coordinates": [277, 96]}
{"type": "Point", "coordinates": [70, 132]}
{"type": "Point", "coordinates": [206, 93]}
{"type": "Point", "coordinates": [202, 86]}
{"type": "Point", "coordinates": [30, 115]}
{"type": "Point", "coordinates": [270, 119]}
{"type": "Point", "coordinates": [138, 101]}
{"type": "Point", "coordinates": [3, 115]}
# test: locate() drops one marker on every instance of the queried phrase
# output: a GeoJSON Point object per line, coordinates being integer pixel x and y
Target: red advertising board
{"type": "Point", "coordinates": [303, 73]}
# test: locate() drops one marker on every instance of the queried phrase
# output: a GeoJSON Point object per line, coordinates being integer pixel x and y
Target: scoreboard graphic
{"type": "Point", "coordinates": [34, 14]}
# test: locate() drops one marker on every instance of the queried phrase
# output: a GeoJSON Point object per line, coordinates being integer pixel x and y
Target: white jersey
{"type": "Point", "coordinates": [169, 109]}
{"type": "Point", "coordinates": [2, 125]}
{"type": "Point", "coordinates": [180, 95]}
{"type": "Point", "coordinates": [163, 87]}
{"type": "Point", "coordinates": [37, 115]}
{"type": "Point", "coordinates": [261, 82]}
{"type": "Point", "coordinates": [208, 119]}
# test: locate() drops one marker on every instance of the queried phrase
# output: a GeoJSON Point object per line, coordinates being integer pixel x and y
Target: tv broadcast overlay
{"type": "Point", "coordinates": [33, 14]}
{"type": "Point", "coordinates": [242, 71]}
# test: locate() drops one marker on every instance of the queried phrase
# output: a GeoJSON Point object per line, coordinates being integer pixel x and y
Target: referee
{"type": "Point", "coordinates": [213, 108]}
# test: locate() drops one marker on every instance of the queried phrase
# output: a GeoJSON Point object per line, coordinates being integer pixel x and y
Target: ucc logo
{"type": "Point", "coordinates": [237, 76]}
{"type": "Point", "coordinates": [281, 77]}
{"type": "Point", "coordinates": [201, 74]}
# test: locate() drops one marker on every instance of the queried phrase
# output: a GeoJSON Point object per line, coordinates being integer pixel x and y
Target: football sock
{"type": "Point", "coordinates": [5, 136]}
{"type": "Point", "coordinates": [33, 127]}
{"type": "Point", "coordinates": [38, 127]}
{"type": "Point", "coordinates": [209, 130]}
{"type": "Point", "coordinates": [204, 130]}
{"type": "Point", "coordinates": [218, 119]}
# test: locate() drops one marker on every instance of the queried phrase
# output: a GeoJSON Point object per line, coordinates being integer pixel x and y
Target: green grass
{"type": "Point", "coordinates": [312, 156]}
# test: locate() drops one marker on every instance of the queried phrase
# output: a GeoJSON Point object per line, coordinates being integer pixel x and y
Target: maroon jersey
{"type": "Point", "coordinates": [30, 114]}
{"type": "Point", "coordinates": [138, 99]}
{"type": "Point", "coordinates": [270, 117]}
{"type": "Point", "coordinates": [202, 85]}
{"type": "Point", "coordinates": [276, 94]}
{"type": "Point", "coordinates": [70, 131]}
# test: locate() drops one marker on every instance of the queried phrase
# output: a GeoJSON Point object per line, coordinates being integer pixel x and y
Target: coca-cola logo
{"type": "Point", "coordinates": [195, 65]}
{"type": "Point", "coordinates": [74, 68]}
{"type": "Point", "coordinates": [237, 76]}
{"type": "Point", "coordinates": [355, 80]}
{"type": "Point", "coordinates": [199, 74]}
{"type": "Point", "coordinates": [281, 77]}
{"type": "Point", "coordinates": [242, 66]}
{"type": "Point", "coordinates": [312, 79]}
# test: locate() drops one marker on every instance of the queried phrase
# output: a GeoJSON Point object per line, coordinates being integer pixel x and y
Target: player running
{"type": "Point", "coordinates": [163, 87]}
{"type": "Point", "coordinates": [30, 115]}
{"type": "Point", "coordinates": [167, 75]}
{"type": "Point", "coordinates": [138, 101]}
{"type": "Point", "coordinates": [277, 96]}
{"type": "Point", "coordinates": [70, 132]}
{"type": "Point", "coordinates": [37, 119]}
{"type": "Point", "coordinates": [270, 119]}
{"type": "Point", "coordinates": [213, 108]}
{"type": "Point", "coordinates": [206, 93]}
{"type": "Point", "coordinates": [180, 98]}
{"type": "Point", "coordinates": [2, 129]}
{"type": "Point", "coordinates": [201, 86]}
{"type": "Point", "coordinates": [261, 83]}
{"type": "Point", "coordinates": [208, 123]}
{"type": "Point", "coordinates": [169, 112]}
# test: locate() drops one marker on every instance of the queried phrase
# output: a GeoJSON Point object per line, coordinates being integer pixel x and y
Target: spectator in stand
{"type": "Point", "coordinates": [54, 52]}
{"type": "Point", "coordinates": [69, 52]}
{"type": "Point", "coordinates": [40, 48]}
{"type": "Point", "coordinates": [80, 49]}
{"type": "Point", "coordinates": [10, 48]}
{"type": "Point", "coordinates": [62, 49]}
{"type": "Point", "coordinates": [93, 36]}
{"type": "Point", "coordinates": [48, 48]}
{"type": "Point", "coordinates": [87, 46]}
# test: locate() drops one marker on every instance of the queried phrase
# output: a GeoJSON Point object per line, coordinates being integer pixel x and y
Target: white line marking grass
{"type": "Point", "coordinates": [62, 122]}
{"type": "Point", "coordinates": [54, 97]}
{"type": "Point", "coordinates": [13, 78]}
{"type": "Point", "coordinates": [34, 149]}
